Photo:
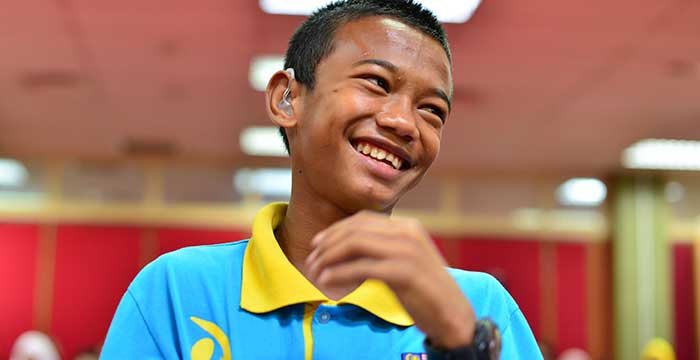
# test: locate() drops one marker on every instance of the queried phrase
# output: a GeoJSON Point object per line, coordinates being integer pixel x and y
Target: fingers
{"type": "Point", "coordinates": [377, 225]}
{"type": "Point", "coordinates": [366, 243]}
{"type": "Point", "coordinates": [352, 272]}
{"type": "Point", "coordinates": [350, 246]}
{"type": "Point", "coordinates": [400, 253]}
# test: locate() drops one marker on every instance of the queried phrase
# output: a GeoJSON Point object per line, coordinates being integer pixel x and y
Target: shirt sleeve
{"type": "Point", "coordinates": [129, 336]}
{"type": "Point", "coordinates": [517, 340]}
{"type": "Point", "coordinates": [491, 300]}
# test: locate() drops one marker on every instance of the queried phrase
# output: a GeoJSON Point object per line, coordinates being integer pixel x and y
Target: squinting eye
{"type": "Point", "coordinates": [437, 111]}
{"type": "Point", "coordinates": [379, 82]}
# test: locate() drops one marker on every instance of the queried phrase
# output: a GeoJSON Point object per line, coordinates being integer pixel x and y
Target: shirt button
{"type": "Point", "coordinates": [324, 317]}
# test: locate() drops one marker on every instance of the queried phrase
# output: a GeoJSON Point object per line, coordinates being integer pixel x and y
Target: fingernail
{"type": "Point", "coordinates": [323, 277]}
{"type": "Point", "coordinates": [317, 238]}
{"type": "Point", "coordinates": [311, 257]}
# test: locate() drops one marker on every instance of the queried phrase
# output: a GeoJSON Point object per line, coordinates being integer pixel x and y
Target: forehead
{"type": "Point", "coordinates": [389, 39]}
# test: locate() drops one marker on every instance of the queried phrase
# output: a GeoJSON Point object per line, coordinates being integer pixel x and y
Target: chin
{"type": "Point", "coordinates": [373, 198]}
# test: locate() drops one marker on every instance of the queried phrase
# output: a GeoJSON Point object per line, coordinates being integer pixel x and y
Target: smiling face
{"type": "Point", "coordinates": [371, 127]}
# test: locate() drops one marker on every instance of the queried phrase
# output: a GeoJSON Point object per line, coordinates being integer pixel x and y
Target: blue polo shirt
{"type": "Point", "coordinates": [244, 300]}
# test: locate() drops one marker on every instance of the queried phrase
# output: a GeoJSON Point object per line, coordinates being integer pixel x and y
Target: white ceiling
{"type": "Point", "coordinates": [542, 85]}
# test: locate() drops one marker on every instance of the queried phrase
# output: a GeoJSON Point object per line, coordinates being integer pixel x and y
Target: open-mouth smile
{"type": "Point", "coordinates": [381, 155]}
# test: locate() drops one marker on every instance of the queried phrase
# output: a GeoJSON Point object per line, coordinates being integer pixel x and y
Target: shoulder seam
{"type": "Point", "coordinates": [143, 318]}
{"type": "Point", "coordinates": [510, 317]}
{"type": "Point", "coordinates": [231, 243]}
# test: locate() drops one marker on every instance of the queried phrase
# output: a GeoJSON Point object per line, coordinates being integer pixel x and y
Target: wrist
{"type": "Point", "coordinates": [456, 331]}
{"type": "Point", "coordinates": [485, 345]}
{"type": "Point", "coordinates": [455, 337]}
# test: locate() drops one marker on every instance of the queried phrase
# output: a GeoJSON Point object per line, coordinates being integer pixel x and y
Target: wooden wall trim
{"type": "Point", "coordinates": [148, 246]}
{"type": "Point", "coordinates": [598, 300]}
{"type": "Point", "coordinates": [548, 293]}
{"type": "Point", "coordinates": [46, 265]}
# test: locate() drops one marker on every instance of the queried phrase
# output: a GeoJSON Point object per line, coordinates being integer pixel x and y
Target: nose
{"type": "Point", "coordinates": [399, 117]}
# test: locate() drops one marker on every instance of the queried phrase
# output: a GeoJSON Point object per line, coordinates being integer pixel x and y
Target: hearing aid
{"type": "Point", "coordinates": [286, 102]}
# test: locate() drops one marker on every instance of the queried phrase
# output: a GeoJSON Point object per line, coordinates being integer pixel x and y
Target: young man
{"type": "Point", "coordinates": [332, 275]}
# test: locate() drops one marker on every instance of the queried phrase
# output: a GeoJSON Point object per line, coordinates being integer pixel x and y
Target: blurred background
{"type": "Point", "coordinates": [568, 167]}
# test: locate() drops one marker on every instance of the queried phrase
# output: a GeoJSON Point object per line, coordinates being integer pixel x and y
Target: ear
{"type": "Point", "coordinates": [274, 95]}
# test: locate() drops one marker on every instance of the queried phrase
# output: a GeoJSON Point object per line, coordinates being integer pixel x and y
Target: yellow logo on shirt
{"type": "Point", "coordinates": [414, 356]}
{"type": "Point", "coordinates": [203, 349]}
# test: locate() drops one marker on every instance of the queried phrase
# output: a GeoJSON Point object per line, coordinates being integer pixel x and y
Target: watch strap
{"type": "Point", "coordinates": [486, 345]}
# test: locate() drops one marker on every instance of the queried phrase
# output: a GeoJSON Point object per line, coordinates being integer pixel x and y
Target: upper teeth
{"type": "Point", "coordinates": [379, 154]}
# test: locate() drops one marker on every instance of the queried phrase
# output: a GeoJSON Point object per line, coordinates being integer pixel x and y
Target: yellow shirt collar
{"type": "Point", "coordinates": [271, 282]}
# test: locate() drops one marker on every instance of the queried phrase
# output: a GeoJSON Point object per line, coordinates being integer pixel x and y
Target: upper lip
{"type": "Point", "coordinates": [389, 146]}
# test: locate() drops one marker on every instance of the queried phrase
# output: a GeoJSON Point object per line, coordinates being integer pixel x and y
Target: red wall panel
{"type": "Point", "coordinates": [171, 239]}
{"type": "Point", "coordinates": [515, 262]}
{"type": "Point", "coordinates": [94, 266]}
{"type": "Point", "coordinates": [684, 307]}
{"type": "Point", "coordinates": [18, 253]}
{"type": "Point", "coordinates": [571, 309]}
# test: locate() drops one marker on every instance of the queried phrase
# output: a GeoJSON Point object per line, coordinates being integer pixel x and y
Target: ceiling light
{"type": "Point", "coordinates": [262, 141]}
{"type": "Point", "coordinates": [273, 182]}
{"type": "Point", "coordinates": [663, 154]}
{"type": "Point", "coordinates": [450, 11]}
{"type": "Point", "coordinates": [12, 173]}
{"type": "Point", "coordinates": [581, 192]}
{"type": "Point", "coordinates": [262, 68]}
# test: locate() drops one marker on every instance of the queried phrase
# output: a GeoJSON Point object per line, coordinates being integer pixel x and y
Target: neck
{"type": "Point", "coordinates": [306, 216]}
{"type": "Point", "coordinates": [301, 223]}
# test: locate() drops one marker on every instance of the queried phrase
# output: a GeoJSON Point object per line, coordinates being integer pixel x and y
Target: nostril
{"type": "Point", "coordinates": [408, 138]}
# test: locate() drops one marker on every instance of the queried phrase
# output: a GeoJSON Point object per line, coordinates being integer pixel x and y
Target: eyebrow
{"type": "Point", "coordinates": [383, 63]}
{"type": "Point", "coordinates": [441, 94]}
{"type": "Point", "coordinates": [394, 69]}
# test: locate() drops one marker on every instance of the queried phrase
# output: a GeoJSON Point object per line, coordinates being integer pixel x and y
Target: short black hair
{"type": "Point", "coordinates": [313, 40]}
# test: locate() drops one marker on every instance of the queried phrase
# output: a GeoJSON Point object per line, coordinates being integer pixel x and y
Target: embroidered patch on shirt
{"type": "Point", "coordinates": [414, 356]}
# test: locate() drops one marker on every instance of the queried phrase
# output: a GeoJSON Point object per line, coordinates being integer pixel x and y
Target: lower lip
{"type": "Point", "coordinates": [378, 168]}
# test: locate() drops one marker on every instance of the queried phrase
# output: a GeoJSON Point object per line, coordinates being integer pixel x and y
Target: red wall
{"type": "Point", "coordinates": [174, 238]}
{"type": "Point", "coordinates": [571, 309]}
{"type": "Point", "coordinates": [94, 266]}
{"type": "Point", "coordinates": [684, 315]}
{"type": "Point", "coordinates": [516, 263]}
{"type": "Point", "coordinates": [18, 250]}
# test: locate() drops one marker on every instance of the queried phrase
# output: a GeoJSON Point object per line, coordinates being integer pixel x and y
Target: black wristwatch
{"type": "Point", "coordinates": [486, 345]}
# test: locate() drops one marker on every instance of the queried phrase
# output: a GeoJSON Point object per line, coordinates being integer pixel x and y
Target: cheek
{"type": "Point", "coordinates": [344, 108]}
{"type": "Point", "coordinates": [431, 138]}
{"type": "Point", "coordinates": [352, 104]}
